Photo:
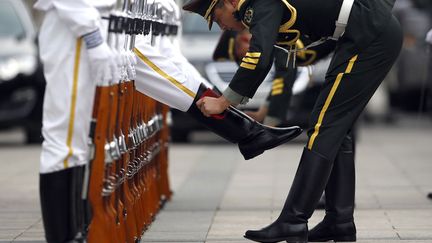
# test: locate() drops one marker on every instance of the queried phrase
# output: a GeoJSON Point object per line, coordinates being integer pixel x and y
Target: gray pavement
{"type": "Point", "coordinates": [218, 196]}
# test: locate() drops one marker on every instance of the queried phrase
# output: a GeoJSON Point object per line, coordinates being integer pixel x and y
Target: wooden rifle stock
{"type": "Point", "coordinates": [99, 229]}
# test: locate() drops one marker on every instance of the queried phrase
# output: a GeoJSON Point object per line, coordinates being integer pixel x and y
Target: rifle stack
{"type": "Point", "coordinates": [126, 180]}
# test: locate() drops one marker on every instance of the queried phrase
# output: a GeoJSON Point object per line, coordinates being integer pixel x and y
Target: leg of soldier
{"type": "Point", "coordinates": [338, 223]}
{"type": "Point", "coordinates": [350, 82]}
{"type": "Point", "coordinates": [66, 119]}
{"type": "Point", "coordinates": [159, 78]}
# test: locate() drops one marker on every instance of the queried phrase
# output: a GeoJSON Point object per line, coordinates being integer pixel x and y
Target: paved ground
{"type": "Point", "coordinates": [218, 195]}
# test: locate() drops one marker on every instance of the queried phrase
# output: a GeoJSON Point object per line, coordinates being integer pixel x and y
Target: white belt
{"type": "Point", "coordinates": [342, 20]}
{"type": "Point", "coordinates": [341, 24]}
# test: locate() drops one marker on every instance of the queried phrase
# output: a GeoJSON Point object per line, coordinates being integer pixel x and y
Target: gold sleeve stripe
{"type": "Point", "coordinates": [253, 54]}
{"type": "Point", "coordinates": [231, 45]}
{"type": "Point", "coordinates": [163, 74]}
{"type": "Point", "coordinates": [250, 60]}
{"type": "Point", "coordinates": [328, 101]}
{"type": "Point", "coordinates": [278, 86]}
{"type": "Point", "coordinates": [277, 92]}
{"type": "Point", "coordinates": [73, 102]}
{"type": "Point", "coordinates": [277, 81]}
{"type": "Point", "coordinates": [248, 66]}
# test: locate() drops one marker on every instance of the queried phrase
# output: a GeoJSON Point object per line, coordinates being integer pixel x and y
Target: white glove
{"type": "Point", "coordinates": [131, 63]}
{"type": "Point", "coordinates": [429, 37]}
{"type": "Point", "coordinates": [103, 65]}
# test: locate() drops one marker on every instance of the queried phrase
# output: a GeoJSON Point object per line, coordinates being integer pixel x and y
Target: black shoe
{"type": "Point", "coordinates": [429, 195]}
{"type": "Point", "coordinates": [307, 188]}
{"type": "Point", "coordinates": [280, 231]}
{"type": "Point", "coordinates": [321, 202]}
{"type": "Point", "coordinates": [338, 224]}
{"type": "Point", "coordinates": [233, 125]}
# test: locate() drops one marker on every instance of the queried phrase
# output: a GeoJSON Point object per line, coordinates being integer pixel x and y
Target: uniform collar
{"type": "Point", "coordinates": [241, 8]}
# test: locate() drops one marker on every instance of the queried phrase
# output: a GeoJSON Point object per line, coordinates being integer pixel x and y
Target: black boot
{"type": "Point", "coordinates": [306, 190]}
{"type": "Point", "coordinates": [338, 223]}
{"type": "Point", "coordinates": [321, 202]}
{"type": "Point", "coordinates": [233, 125]}
{"type": "Point", "coordinates": [58, 193]}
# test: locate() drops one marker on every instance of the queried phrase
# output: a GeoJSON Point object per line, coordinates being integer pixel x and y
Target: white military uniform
{"type": "Point", "coordinates": [70, 89]}
{"type": "Point", "coordinates": [163, 73]}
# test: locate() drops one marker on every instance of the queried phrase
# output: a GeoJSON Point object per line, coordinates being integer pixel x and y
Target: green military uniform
{"type": "Point", "coordinates": [363, 56]}
{"type": "Point", "coordinates": [365, 51]}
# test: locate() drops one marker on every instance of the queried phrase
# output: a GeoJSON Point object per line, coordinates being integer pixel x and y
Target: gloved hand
{"type": "Point", "coordinates": [103, 65]}
{"type": "Point", "coordinates": [130, 65]}
{"type": "Point", "coordinates": [429, 37]}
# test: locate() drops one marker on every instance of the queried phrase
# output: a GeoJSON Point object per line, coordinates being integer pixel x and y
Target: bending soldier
{"type": "Point", "coordinates": [368, 42]}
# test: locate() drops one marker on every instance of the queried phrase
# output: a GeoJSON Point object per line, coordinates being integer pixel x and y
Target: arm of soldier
{"type": "Point", "coordinates": [169, 50]}
{"type": "Point", "coordinates": [255, 65]}
{"type": "Point", "coordinates": [158, 77]}
{"type": "Point", "coordinates": [319, 69]}
{"type": "Point", "coordinates": [81, 17]}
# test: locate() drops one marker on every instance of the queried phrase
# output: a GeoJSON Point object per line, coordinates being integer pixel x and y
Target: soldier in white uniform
{"type": "Point", "coordinates": [75, 56]}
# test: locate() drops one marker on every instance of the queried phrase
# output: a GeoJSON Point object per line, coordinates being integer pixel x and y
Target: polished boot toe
{"type": "Point", "coordinates": [263, 138]}
{"type": "Point", "coordinates": [338, 232]}
{"type": "Point", "coordinates": [279, 231]}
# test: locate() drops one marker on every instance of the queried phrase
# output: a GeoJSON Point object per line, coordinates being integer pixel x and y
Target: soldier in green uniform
{"type": "Point", "coordinates": [368, 39]}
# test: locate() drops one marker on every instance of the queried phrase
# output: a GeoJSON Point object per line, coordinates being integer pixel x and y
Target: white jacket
{"type": "Point", "coordinates": [81, 16]}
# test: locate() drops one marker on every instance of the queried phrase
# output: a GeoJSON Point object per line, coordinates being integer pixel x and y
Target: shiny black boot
{"type": "Point", "coordinates": [233, 125]}
{"type": "Point", "coordinates": [306, 190]}
{"type": "Point", "coordinates": [338, 224]}
{"type": "Point", "coordinates": [59, 197]}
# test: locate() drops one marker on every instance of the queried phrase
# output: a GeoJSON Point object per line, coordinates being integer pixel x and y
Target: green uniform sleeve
{"type": "Point", "coordinates": [264, 27]}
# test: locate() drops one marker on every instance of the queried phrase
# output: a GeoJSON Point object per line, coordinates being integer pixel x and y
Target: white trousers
{"type": "Point", "coordinates": [68, 97]}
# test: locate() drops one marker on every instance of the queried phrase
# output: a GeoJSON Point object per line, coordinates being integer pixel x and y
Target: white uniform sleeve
{"type": "Point", "coordinates": [319, 69]}
{"type": "Point", "coordinates": [429, 37]}
{"type": "Point", "coordinates": [79, 15]}
{"type": "Point", "coordinates": [158, 77]}
{"type": "Point", "coordinates": [169, 50]}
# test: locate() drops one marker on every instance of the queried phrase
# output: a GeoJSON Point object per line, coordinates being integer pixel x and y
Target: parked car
{"type": "Point", "coordinates": [21, 77]}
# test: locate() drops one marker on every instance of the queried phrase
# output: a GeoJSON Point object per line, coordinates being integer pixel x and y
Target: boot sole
{"type": "Point", "coordinates": [250, 155]}
{"type": "Point", "coordinates": [346, 238]}
{"type": "Point", "coordinates": [274, 240]}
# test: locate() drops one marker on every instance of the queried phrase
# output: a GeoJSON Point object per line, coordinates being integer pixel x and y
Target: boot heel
{"type": "Point", "coordinates": [346, 238]}
{"type": "Point", "coordinates": [250, 155]}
